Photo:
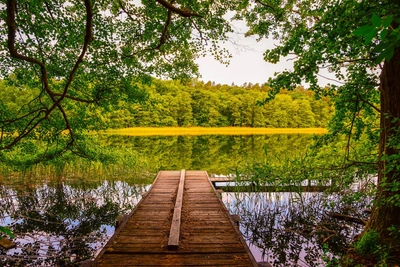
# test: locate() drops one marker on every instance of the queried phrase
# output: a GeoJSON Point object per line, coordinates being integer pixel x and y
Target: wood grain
{"type": "Point", "coordinates": [207, 235]}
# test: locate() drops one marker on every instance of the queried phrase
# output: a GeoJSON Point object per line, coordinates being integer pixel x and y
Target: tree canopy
{"type": "Point", "coordinates": [57, 48]}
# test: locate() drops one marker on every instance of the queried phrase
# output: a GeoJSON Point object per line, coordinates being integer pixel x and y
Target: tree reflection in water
{"type": "Point", "coordinates": [292, 229]}
{"type": "Point", "coordinates": [59, 224]}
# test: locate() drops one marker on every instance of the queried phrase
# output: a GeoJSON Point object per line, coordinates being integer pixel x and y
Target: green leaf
{"type": "Point", "coordinates": [387, 22]}
{"type": "Point", "coordinates": [6, 231]}
{"type": "Point", "coordinates": [370, 36]}
{"type": "Point", "coordinates": [376, 20]}
{"type": "Point", "coordinates": [364, 30]}
{"type": "Point", "coordinates": [383, 34]}
{"type": "Point", "coordinates": [386, 54]}
{"type": "Point", "coordinates": [382, 46]}
{"type": "Point", "coordinates": [389, 53]}
{"type": "Point", "coordinates": [380, 58]}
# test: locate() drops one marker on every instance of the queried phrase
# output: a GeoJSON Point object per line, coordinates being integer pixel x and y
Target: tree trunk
{"type": "Point", "coordinates": [386, 213]}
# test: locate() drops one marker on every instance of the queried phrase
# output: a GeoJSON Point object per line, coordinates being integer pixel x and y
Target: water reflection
{"type": "Point", "coordinates": [218, 154]}
{"type": "Point", "coordinates": [293, 229]}
{"type": "Point", "coordinates": [59, 224]}
{"type": "Point", "coordinates": [62, 224]}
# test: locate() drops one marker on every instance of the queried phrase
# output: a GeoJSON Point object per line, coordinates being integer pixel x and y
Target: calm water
{"type": "Point", "coordinates": [62, 224]}
{"type": "Point", "coordinates": [292, 229]}
{"type": "Point", "coordinates": [217, 154]}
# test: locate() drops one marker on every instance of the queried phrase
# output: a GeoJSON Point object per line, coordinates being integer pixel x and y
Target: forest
{"type": "Point", "coordinates": [195, 103]}
{"type": "Point", "coordinates": [172, 103]}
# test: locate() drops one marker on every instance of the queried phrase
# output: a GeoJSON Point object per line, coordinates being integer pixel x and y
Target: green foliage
{"type": "Point", "coordinates": [328, 259]}
{"type": "Point", "coordinates": [386, 35]}
{"type": "Point", "coordinates": [319, 35]}
{"type": "Point", "coordinates": [394, 231]}
{"type": "Point", "coordinates": [327, 161]}
{"type": "Point", "coordinates": [7, 231]}
{"type": "Point", "coordinates": [368, 243]}
{"type": "Point", "coordinates": [371, 247]}
{"type": "Point", "coordinates": [173, 103]}
{"type": "Point", "coordinates": [358, 43]}
{"type": "Point", "coordinates": [63, 59]}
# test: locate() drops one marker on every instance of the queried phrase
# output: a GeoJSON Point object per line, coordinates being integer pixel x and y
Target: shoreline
{"type": "Point", "coordinates": [173, 131]}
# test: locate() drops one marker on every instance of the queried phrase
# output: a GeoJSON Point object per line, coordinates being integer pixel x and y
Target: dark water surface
{"type": "Point", "coordinates": [63, 223]}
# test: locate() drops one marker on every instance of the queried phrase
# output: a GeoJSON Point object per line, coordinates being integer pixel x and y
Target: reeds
{"type": "Point", "coordinates": [121, 165]}
{"type": "Point", "coordinates": [172, 131]}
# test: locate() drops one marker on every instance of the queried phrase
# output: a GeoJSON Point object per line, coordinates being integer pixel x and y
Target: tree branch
{"type": "Point", "coordinates": [163, 37]}
{"type": "Point", "coordinates": [35, 121]}
{"type": "Point", "coordinates": [123, 7]}
{"type": "Point", "coordinates": [368, 103]}
{"type": "Point", "coordinates": [88, 39]}
{"type": "Point", "coordinates": [265, 5]}
{"type": "Point", "coordinates": [49, 10]}
{"type": "Point", "coordinates": [77, 98]}
{"type": "Point", "coordinates": [182, 12]}
{"type": "Point", "coordinates": [10, 20]}
{"type": "Point", "coordinates": [8, 122]}
{"type": "Point", "coordinates": [197, 28]}
{"type": "Point", "coordinates": [351, 129]}
{"type": "Point", "coordinates": [30, 126]}
{"type": "Point", "coordinates": [347, 218]}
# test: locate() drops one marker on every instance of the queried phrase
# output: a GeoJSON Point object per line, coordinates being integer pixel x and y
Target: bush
{"type": "Point", "coordinates": [368, 244]}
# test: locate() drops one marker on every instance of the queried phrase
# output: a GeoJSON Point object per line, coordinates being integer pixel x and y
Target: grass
{"type": "Point", "coordinates": [173, 131]}
{"type": "Point", "coordinates": [121, 164]}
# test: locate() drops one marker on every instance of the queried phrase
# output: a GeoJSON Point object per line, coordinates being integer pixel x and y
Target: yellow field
{"type": "Point", "coordinates": [171, 131]}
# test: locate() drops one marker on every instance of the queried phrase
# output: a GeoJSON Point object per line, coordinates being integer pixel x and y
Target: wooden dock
{"type": "Point", "coordinates": [181, 221]}
{"type": "Point", "coordinates": [230, 184]}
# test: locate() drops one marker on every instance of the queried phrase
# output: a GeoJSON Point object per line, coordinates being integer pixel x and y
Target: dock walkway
{"type": "Point", "coordinates": [181, 221]}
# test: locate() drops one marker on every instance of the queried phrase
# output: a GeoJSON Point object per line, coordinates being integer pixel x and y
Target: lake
{"type": "Point", "coordinates": [217, 154]}
{"type": "Point", "coordinates": [62, 222]}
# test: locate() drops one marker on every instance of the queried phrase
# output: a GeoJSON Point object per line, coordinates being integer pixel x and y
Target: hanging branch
{"type": "Point", "coordinates": [163, 38]}
{"type": "Point", "coordinates": [182, 12]}
{"type": "Point", "coordinates": [36, 120]}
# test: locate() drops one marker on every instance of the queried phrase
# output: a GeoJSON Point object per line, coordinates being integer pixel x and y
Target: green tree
{"type": "Point", "coordinates": [280, 116]}
{"type": "Point", "coordinates": [306, 116]}
{"type": "Point", "coordinates": [363, 54]}
{"type": "Point", "coordinates": [90, 51]}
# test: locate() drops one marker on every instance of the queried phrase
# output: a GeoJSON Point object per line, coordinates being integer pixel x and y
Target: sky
{"type": "Point", "coordinates": [247, 64]}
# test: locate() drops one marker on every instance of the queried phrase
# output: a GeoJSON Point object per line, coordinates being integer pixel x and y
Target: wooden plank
{"type": "Point", "coordinates": [127, 219]}
{"type": "Point", "coordinates": [213, 259]}
{"type": "Point", "coordinates": [173, 241]}
{"type": "Point", "coordinates": [6, 243]}
{"type": "Point", "coordinates": [184, 249]}
{"type": "Point", "coordinates": [206, 235]}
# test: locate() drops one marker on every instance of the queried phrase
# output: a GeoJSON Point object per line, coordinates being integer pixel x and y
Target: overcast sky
{"type": "Point", "coordinates": [245, 66]}
{"type": "Point", "coordinates": [247, 63]}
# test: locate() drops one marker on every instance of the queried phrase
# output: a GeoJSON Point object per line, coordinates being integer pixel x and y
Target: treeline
{"type": "Point", "coordinates": [172, 103]}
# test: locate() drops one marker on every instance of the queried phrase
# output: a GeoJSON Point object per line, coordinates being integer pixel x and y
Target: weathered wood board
{"type": "Point", "coordinates": [205, 235]}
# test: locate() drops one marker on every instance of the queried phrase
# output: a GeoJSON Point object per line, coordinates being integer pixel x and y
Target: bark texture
{"type": "Point", "coordinates": [386, 213]}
